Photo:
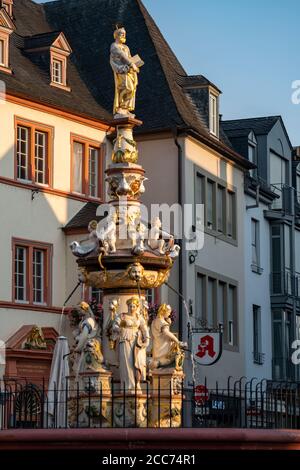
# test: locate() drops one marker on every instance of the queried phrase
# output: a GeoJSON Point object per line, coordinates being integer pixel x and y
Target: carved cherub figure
{"type": "Point", "coordinates": [107, 233]}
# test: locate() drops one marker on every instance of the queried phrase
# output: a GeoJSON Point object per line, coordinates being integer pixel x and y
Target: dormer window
{"type": "Point", "coordinates": [213, 114]}
{"type": "Point", "coordinates": [6, 28]}
{"type": "Point", "coordinates": [57, 72]}
{"type": "Point", "coordinates": [59, 53]}
{"type": "Point", "coordinates": [50, 51]}
{"type": "Point", "coordinates": [252, 153]}
{"type": "Point", "coordinates": [8, 6]}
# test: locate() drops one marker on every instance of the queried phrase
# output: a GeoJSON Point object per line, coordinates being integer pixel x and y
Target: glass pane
{"type": "Point", "coordinates": [22, 153]}
{"type": "Point", "coordinates": [230, 314]}
{"type": "Point", "coordinates": [230, 213]}
{"type": "Point", "coordinates": [93, 171]}
{"type": "Point", "coordinates": [209, 204]}
{"type": "Point", "coordinates": [20, 274]}
{"type": "Point", "coordinates": [221, 302]}
{"type": "Point", "coordinates": [57, 71]}
{"type": "Point", "coordinates": [200, 180]}
{"type": "Point", "coordinates": [78, 152]}
{"type": "Point", "coordinates": [199, 298]}
{"type": "Point", "coordinates": [210, 302]}
{"type": "Point", "coordinates": [40, 157]}
{"type": "Point", "coordinates": [38, 276]}
{"type": "Point", "coordinates": [221, 208]}
{"type": "Point", "coordinates": [254, 241]}
{"type": "Point", "coordinates": [287, 246]}
{"type": "Point", "coordinates": [2, 58]}
{"type": "Point", "coordinates": [256, 331]}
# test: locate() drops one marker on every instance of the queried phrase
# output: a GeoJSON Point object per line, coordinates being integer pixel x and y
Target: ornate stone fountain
{"type": "Point", "coordinates": [125, 256]}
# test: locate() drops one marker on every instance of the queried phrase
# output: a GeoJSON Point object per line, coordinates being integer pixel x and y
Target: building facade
{"type": "Point", "coordinates": [272, 246]}
{"type": "Point", "coordinates": [56, 140]}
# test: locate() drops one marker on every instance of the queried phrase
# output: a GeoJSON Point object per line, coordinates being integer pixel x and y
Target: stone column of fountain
{"type": "Point", "coordinates": [124, 260]}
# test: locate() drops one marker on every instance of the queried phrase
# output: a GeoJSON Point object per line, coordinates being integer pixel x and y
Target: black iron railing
{"type": "Point", "coordinates": [241, 404]}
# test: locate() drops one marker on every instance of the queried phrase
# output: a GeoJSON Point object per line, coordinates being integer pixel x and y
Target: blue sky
{"type": "Point", "coordinates": [248, 49]}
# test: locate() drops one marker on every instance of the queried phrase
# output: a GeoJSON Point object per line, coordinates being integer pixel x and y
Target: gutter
{"type": "Point", "coordinates": [180, 199]}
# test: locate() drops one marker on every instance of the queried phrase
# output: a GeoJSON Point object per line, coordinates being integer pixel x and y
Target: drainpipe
{"type": "Point", "coordinates": [180, 166]}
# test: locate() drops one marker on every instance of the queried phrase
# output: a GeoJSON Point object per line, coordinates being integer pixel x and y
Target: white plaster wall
{"type": "Point", "coordinates": [39, 219]}
{"type": "Point", "coordinates": [257, 292]}
{"type": "Point", "coordinates": [159, 158]}
{"type": "Point", "coordinates": [218, 256]}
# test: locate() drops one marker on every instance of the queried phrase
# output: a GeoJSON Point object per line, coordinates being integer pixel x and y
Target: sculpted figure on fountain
{"type": "Point", "coordinates": [125, 68]}
{"type": "Point", "coordinates": [167, 350]}
{"type": "Point", "coordinates": [132, 335]}
{"type": "Point", "coordinates": [86, 354]}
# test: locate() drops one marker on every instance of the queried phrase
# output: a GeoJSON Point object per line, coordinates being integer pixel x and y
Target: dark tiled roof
{"type": "Point", "coordinates": [83, 217]}
{"type": "Point", "coordinates": [31, 80]}
{"type": "Point", "coordinates": [162, 101]}
{"type": "Point", "coordinates": [40, 40]}
{"type": "Point", "coordinates": [259, 125]}
{"type": "Point", "coordinates": [195, 80]}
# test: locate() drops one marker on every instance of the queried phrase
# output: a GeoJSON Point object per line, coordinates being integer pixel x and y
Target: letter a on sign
{"type": "Point", "coordinates": [207, 348]}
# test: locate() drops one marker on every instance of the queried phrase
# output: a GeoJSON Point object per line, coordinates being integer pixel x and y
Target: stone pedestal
{"type": "Point", "coordinates": [90, 400]}
{"type": "Point", "coordinates": [166, 398]}
{"type": "Point", "coordinates": [130, 411]}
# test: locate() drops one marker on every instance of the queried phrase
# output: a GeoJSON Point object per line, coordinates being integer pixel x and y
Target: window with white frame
{"type": "Point", "coordinates": [57, 71]}
{"type": "Point", "coordinates": [255, 242]}
{"type": "Point", "coordinates": [32, 272]}
{"type": "Point", "coordinates": [86, 168]}
{"type": "Point", "coordinates": [93, 171]}
{"type": "Point", "coordinates": [6, 28]}
{"type": "Point", "coordinates": [20, 274]}
{"type": "Point", "coordinates": [78, 155]}
{"type": "Point", "coordinates": [40, 156]}
{"type": "Point", "coordinates": [213, 114]}
{"type": "Point", "coordinates": [23, 157]}
{"type": "Point", "coordinates": [2, 52]}
{"type": "Point", "coordinates": [38, 276]}
{"type": "Point", "coordinates": [33, 161]}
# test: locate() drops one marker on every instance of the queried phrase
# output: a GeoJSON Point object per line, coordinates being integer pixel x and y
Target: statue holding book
{"type": "Point", "coordinates": [125, 70]}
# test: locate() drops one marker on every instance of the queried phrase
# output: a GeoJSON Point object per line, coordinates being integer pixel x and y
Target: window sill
{"type": "Point", "coordinates": [89, 198]}
{"type": "Point", "coordinates": [256, 269]}
{"type": "Point", "coordinates": [220, 236]}
{"type": "Point", "coordinates": [46, 189]}
{"type": "Point", "coordinates": [230, 348]}
{"type": "Point", "coordinates": [60, 86]}
{"type": "Point", "coordinates": [212, 134]}
{"type": "Point", "coordinates": [5, 69]}
{"type": "Point", "coordinates": [27, 306]}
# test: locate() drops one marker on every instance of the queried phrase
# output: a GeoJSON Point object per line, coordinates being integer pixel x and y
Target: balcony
{"type": "Point", "coordinates": [285, 200]}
